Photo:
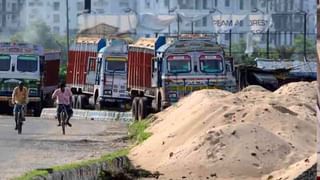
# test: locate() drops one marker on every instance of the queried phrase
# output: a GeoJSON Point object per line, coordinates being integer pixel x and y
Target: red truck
{"type": "Point", "coordinates": [162, 70]}
{"type": "Point", "coordinates": [38, 69]}
{"type": "Point", "coordinates": [97, 73]}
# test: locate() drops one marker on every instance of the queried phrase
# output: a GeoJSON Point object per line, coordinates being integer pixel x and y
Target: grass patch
{"type": "Point", "coordinates": [32, 174]}
{"type": "Point", "coordinates": [44, 172]}
{"type": "Point", "coordinates": [137, 131]}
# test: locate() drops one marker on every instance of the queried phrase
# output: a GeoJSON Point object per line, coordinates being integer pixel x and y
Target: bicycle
{"type": "Point", "coordinates": [63, 118]}
{"type": "Point", "coordinates": [19, 117]}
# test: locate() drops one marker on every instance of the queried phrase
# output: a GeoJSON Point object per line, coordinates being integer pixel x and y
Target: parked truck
{"type": "Point", "coordinates": [163, 70]}
{"type": "Point", "coordinates": [97, 73]}
{"type": "Point", "coordinates": [28, 63]}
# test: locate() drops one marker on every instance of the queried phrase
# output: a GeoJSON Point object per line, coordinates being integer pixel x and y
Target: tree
{"type": "Point", "coordinates": [39, 33]}
{"type": "Point", "coordinates": [310, 46]}
{"type": "Point", "coordinates": [238, 52]}
{"type": "Point", "coordinates": [285, 52]}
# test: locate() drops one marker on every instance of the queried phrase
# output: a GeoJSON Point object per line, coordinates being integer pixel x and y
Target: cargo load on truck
{"type": "Point", "coordinates": [163, 70]}
{"type": "Point", "coordinates": [31, 64]}
{"type": "Point", "coordinates": [97, 72]}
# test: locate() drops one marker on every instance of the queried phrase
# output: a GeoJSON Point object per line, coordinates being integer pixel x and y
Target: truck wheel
{"type": "Point", "coordinates": [142, 109]}
{"type": "Point", "coordinates": [81, 102]}
{"type": "Point", "coordinates": [74, 101]}
{"type": "Point", "coordinates": [158, 103]}
{"type": "Point", "coordinates": [135, 104]}
{"type": "Point", "coordinates": [97, 106]}
{"type": "Point", "coordinates": [37, 110]}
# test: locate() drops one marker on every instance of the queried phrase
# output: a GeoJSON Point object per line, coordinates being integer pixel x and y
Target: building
{"type": "Point", "coordinates": [9, 15]}
{"type": "Point", "coordinates": [287, 16]}
{"type": "Point", "coordinates": [53, 12]}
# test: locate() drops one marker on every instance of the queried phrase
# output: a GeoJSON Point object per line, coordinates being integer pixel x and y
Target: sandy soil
{"type": "Point", "coordinates": [253, 134]}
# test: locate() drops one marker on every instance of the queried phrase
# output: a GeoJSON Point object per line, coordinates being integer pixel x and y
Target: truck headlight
{"type": "Point", "coordinates": [108, 92]}
{"type": "Point", "coordinates": [33, 92]}
{"type": "Point", "coordinates": [173, 95]}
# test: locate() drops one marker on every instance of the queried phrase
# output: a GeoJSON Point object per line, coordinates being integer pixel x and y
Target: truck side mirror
{"type": "Point", "coordinates": [154, 64]}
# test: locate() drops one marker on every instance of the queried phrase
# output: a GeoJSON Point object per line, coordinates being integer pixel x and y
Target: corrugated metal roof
{"type": "Point", "coordinates": [296, 66]}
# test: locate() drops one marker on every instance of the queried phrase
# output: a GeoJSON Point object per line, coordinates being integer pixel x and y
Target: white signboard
{"type": "Point", "coordinates": [241, 23]}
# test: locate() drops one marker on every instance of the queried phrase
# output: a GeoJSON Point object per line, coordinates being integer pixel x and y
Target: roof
{"type": "Point", "coordinates": [296, 66]}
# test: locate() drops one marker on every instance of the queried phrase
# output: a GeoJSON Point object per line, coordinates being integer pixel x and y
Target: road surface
{"type": "Point", "coordinates": [42, 145]}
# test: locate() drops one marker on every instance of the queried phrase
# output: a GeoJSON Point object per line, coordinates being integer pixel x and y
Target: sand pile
{"type": "Point", "coordinates": [248, 135]}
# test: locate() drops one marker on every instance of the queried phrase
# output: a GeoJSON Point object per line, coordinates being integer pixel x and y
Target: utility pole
{"type": "Point", "coordinates": [230, 42]}
{"type": "Point", "coordinates": [268, 32]}
{"type": "Point", "coordinates": [305, 35]}
{"type": "Point", "coordinates": [178, 24]}
{"type": "Point", "coordinates": [192, 27]}
{"type": "Point", "coordinates": [4, 13]}
{"type": "Point", "coordinates": [67, 14]}
{"type": "Point", "coordinates": [169, 28]}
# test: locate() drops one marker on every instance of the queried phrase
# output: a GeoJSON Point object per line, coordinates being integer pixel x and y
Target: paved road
{"type": "Point", "coordinates": [42, 144]}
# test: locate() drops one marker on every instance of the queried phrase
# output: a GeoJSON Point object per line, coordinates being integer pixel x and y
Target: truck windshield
{"type": "Point", "coordinates": [27, 63]}
{"type": "Point", "coordinates": [179, 66]}
{"type": "Point", "coordinates": [211, 64]}
{"type": "Point", "coordinates": [116, 66]}
{"type": "Point", "coordinates": [5, 61]}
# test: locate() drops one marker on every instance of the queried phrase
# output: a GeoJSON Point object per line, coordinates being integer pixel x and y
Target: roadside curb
{"type": "Point", "coordinates": [118, 165]}
{"type": "Point", "coordinates": [50, 113]}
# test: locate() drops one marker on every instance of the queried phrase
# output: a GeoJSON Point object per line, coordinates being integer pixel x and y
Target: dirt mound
{"type": "Point", "coordinates": [217, 134]}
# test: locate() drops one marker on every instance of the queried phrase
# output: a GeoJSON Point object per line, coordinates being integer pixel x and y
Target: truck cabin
{"type": "Point", "coordinates": [190, 65]}
{"type": "Point", "coordinates": [19, 62]}
{"type": "Point", "coordinates": [114, 56]}
{"type": "Point", "coordinates": [194, 58]}
{"type": "Point", "coordinates": [19, 58]}
{"type": "Point", "coordinates": [113, 63]}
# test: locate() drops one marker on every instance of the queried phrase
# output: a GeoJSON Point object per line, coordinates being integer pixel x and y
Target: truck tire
{"type": "Point", "coordinates": [135, 104]}
{"type": "Point", "coordinates": [97, 106]}
{"type": "Point", "coordinates": [81, 102]}
{"type": "Point", "coordinates": [37, 109]}
{"type": "Point", "coordinates": [74, 102]}
{"type": "Point", "coordinates": [158, 103]}
{"type": "Point", "coordinates": [142, 109]}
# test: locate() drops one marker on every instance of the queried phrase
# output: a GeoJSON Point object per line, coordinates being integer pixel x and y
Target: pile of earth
{"type": "Point", "coordinates": [252, 134]}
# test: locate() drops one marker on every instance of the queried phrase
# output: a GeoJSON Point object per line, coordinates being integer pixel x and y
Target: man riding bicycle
{"type": "Point", "coordinates": [64, 99]}
{"type": "Point", "coordinates": [20, 96]}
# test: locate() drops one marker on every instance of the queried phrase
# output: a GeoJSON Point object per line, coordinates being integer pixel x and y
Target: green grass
{"type": "Point", "coordinates": [106, 158]}
{"type": "Point", "coordinates": [32, 174]}
{"type": "Point", "coordinates": [137, 131]}
{"type": "Point", "coordinates": [137, 134]}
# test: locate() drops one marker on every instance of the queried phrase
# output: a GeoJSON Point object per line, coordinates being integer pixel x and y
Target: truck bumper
{"type": "Point", "coordinates": [104, 100]}
{"type": "Point", "coordinates": [165, 104]}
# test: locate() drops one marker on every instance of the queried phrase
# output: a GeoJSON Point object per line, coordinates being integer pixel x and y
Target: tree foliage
{"type": "Point", "coordinates": [295, 51]}
{"type": "Point", "coordinates": [40, 33]}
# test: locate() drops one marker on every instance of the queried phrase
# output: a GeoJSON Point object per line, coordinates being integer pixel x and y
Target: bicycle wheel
{"type": "Point", "coordinates": [63, 122]}
{"type": "Point", "coordinates": [19, 122]}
